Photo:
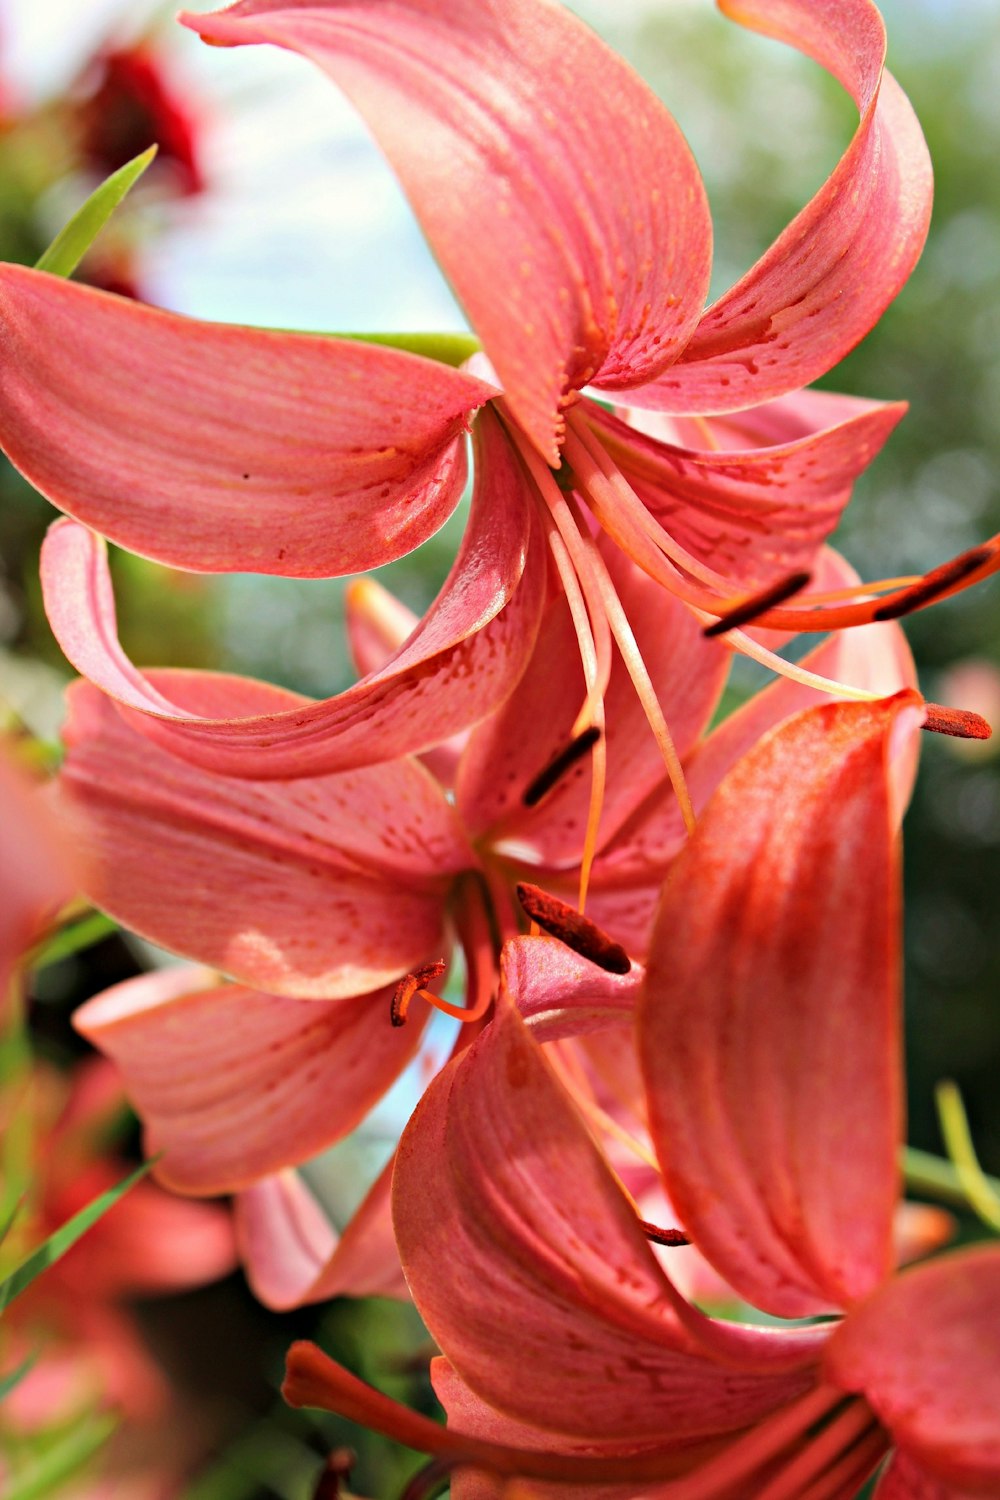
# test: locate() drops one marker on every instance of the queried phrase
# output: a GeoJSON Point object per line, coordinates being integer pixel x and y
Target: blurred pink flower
{"type": "Point", "coordinates": [36, 868]}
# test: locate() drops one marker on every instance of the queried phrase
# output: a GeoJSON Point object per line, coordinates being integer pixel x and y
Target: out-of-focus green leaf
{"type": "Point", "coordinates": [73, 938]}
{"type": "Point", "coordinates": [64, 1238]}
{"type": "Point", "coordinates": [446, 348]}
{"type": "Point", "coordinates": [72, 242]}
{"type": "Point", "coordinates": [13, 1379]}
{"type": "Point", "coordinates": [70, 1453]}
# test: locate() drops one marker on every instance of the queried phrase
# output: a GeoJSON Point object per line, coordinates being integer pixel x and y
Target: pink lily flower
{"type": "Point", "coordinates": [36, 869]}
{"type": "Point", "coordinates": [769, 1037]}
{"type": "Point", "coordinates": [328, 899]}
{"type": "Point", "coordinates": [197, 444]}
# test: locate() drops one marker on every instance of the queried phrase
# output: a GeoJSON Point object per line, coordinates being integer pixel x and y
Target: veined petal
{"type": "Point", "coordinates": [925, 1351]}
{"type": "Point", "coordinates": [320, 888]}
{"type": "Point", "coordinates": [769, 1027]}
{"type": "Point", "coordinates": [461, 661]}
{"type": "Point", "coordinates": [830, 275]}
{"type": "Point", "coordinates": [232, 1084]}
{"type": "Point", "coordinates": [760, 513]}
{"type": "Point", "coordinates": [507, 1215]}
{"type": "Point", "coordinates": [536, 162]}
{"type": "Point", "coordinates": [219, 448]}
{"type": "Point", "coordinates": [293, 1255]}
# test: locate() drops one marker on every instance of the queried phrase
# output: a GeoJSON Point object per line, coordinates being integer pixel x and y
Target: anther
{"type": "Point", "coordinates": [938, 581]}
{"type": "Point", "coordinates": [557, 767]}
{"type": "Point", "coordinates": [410, 985]}
{"type": "Point", "coordinates": [337, 1469]}
{"type": "Point", "coordinates": [758, 604]}
{"type": "Point", "coordinates": [671, 1237]}
{"type": "Point", "coordinates": [959, 722]}
{"type": "Point", "coordinates": [572, 928]}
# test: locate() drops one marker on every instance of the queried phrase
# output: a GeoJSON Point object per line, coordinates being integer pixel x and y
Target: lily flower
{"type": "Point", "coordinates": [769, 1036]}
{"type": "Point", "coordinates": [537, 163]}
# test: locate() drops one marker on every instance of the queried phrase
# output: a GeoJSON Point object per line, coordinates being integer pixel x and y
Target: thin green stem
{"type": "Point", "coordinates": [934, 1177]}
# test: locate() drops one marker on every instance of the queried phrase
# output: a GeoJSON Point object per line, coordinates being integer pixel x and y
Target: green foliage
{"type": "Point", "coordinates": [62, 1459]}
{"type": "Point", "coordinates": [72, 242]}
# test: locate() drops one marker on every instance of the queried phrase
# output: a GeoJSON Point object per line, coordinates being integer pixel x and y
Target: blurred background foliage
{"type": "Point", "coordinates": [299, 224]}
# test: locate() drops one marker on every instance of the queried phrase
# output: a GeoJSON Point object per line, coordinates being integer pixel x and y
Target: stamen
{"type": "Point", "coordinates": [337, 1469]}
{"type": "Point", "coordinates": [669, 1237]}
{"type": "Point", "coordinates": [413, 984]}
{"type": "Point", "coordinates": [848, 1475]}
{"type": "Point", "coordinates": [557, 767]}
{"type": "Point", "coordinates": [934, 584]}
{"type": "Point", "coordinates": [959, 722]}
{"type": "Point", "coordinates": [572, 928]}
{"type": "Point", "coordinates": [759, 603]}
{"type": "Point", "coordinates": [820, 1452]}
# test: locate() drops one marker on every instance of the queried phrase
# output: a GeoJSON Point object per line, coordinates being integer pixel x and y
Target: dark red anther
{"type": "Point", "coordinates": [671, 1237]}
{"type": "Point", "coordinates": [572, 928]}
{"type": "Point", "coordinates": [956, 721]}
{"type": "Point", "coordinates": [935, 583]}
{"type": "Point", "coordinates": [559, 765]}
{"type": "Point", "coordinates": [758, 604]}
{"type": "Point", "coordinates": [409, 985]}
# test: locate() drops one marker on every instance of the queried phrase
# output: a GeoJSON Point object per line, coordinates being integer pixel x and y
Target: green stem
{"type": "Point", "coordinates": [933, 1177]}
{"type": "Point", "coordinates": [446, 348]}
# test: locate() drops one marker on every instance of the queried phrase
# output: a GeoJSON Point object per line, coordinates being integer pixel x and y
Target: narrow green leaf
{"type": "Point", "coordinates": [57, 1244]}
{"type": "Point", "coordinates": [63, 1460]}
{"type": "Point", "coordinates": [981, 1193]}
{"type": "Point", "coordinates": [10, 1381]}
{"type": "Point", "coordinates": [73, 938]}
{"type": "Point", "coordinates": [446, 348]}
{"type": "Point", "coordinates": [72, 242]}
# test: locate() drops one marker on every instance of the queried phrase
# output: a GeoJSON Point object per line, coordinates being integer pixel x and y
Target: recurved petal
{"type": "Point", "coordinates": [322, 888]}
{"type": "Point", "coordinates": [506, 1215]}
{"type": "Point", "coordinates": [536, 162]}
{"type": "Point", "coordinates": [769, 1026]}
{"type": "Point", "coordinates": [232, 1084]}
{"type": "Point", "coordinates": [561, 994]}
{"type": "Point", "coordinates": [219, 448]}
{"type": "Point", "coordinates": [925, 1351]}
{"type": "Point", "coordinates": [293, 1255]}
{"type": "Point", "coordinates": [461, 661]}
{"type": "Point", "coordinates": [757, 513]}
{"type": "Point", "coordinates": [830, 275]}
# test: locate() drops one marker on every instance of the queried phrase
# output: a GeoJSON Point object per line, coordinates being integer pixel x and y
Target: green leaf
{"type": "Point", "coordinates": [11, 1381]}
{"type": "Point", "coordinates": [73, 938]}
{"type": "Point", "coordinates": [57, 1244]}
{"type": "Point", "coordinates": [72, 243]}
{"type": "Point", "coordinates": [63, 1460]}
{"type": "Point", "coordinates": [446, 348]}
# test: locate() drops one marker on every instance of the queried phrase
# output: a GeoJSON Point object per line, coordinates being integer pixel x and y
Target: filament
{"type": "Point", "coordinates": [757, 604]}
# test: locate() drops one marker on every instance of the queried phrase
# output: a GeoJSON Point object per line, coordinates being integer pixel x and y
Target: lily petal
{"type": "Point", "coordinates": [502, 1201]}
{"type": "Point", "coordinates": [925, 1350]}
{"type": "Point", "coordinates": [463, 659]}
{"type": "Point", "coordinates": [769, 1028]}
{"type": "Point", "coordinates": [536, 161]}
{"type": "Point", "coordinates": [220, 449]}
{"type": "Point", "coordinates": [35, 869]}
{"type": "Point", "coordinates": [561, 994]}
{"type": "Point", "coordinates": [293, 1255]}
{"type": "Point", "coordinates": [233, 1085]}
{"type": "Point", "coordinates": [320, 888]}
{"type": "Point", "coordinates": [830, 275]}
{"type": "Point", "coordinates": [756, 514]}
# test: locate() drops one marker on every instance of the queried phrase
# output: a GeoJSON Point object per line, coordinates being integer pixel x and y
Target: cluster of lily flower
{"type": "Point", "coordinates": [679, 1083]}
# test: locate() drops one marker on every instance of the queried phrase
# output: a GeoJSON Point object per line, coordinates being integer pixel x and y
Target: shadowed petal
{"type": "Point", "coordinates": [925, 1351]}
{"type": "Point", "coordinates": [536, 162]}
{"type": "Point", "coordinates": [507, 1216]}
{"type": "Point", "coordinates": [830, 275]}
{"type": "Point", "coordinates": [769, 1027]}
{"type": "Point", "coordinates": [219, 448]}
{"type": "Point", "coordinates": [321, 888]}
{"type": "Point", "coordinates": [756, 514]}
{"type": "Point", "coordinates": [233, 1084]}
{"type": "Point", "coordinates": [463, 659]}
{"type": "Point", "coordinates": [905, 1479]}
{"type": "Point", "coordinates": [293, 1255]}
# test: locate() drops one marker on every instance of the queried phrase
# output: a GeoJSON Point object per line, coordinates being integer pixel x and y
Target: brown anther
{"type": "Point", "coordinates": [671, 1237]}
{"type": "Point", "coordinates": [573, 928]}
{"type": "Point", "coordinates": [758, 604]}
{"type": "Point", "coordinates": [959, 722]}
{"type": "Point", "coordinates": [938, 581]}
{"type": "Point", "coordinates": [559, 765]}
{"type": "Point", "coordinates": [338, 1467]}
{"type": "Point", "coordinates": [410, 985]}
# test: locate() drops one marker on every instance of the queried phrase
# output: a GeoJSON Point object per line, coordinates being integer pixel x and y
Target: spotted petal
{"type": "Point", "coordinates": [537, 162]}
{"type": "Point", "coordinates": [830, 275]}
